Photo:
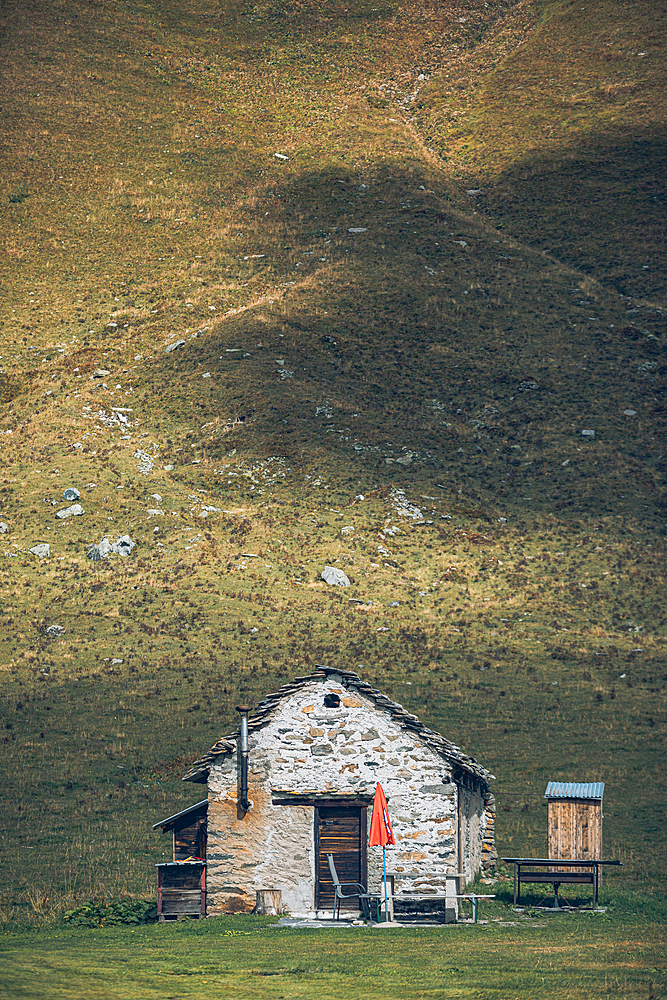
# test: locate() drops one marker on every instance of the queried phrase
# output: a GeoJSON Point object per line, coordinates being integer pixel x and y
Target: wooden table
{"type": "Point", "coordinates": [588, 873]}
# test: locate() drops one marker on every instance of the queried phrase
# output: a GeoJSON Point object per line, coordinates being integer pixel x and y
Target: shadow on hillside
{"type": "Point", "coordinates": [599, 208]}
{"type": "Point", "coordinates": [411, 343]}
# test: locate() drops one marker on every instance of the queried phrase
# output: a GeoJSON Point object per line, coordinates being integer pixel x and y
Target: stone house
{"type": "Point", "coordinates": [315, 751]}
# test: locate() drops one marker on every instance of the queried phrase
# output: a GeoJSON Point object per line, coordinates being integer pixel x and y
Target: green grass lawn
{"type": "Point", "coordinates": [615, 955]}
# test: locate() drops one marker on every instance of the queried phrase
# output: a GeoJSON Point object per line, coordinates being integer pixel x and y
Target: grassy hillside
{"type": "Point", "coordinates": [412, 253]}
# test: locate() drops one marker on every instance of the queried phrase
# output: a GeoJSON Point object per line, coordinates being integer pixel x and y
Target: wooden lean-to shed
{"type": "Point", "coordinates": [574, 819]}
{"type": "Point", "coordinates": [181, 887]}
{"type": "Point", "coordinates": [296, 783]}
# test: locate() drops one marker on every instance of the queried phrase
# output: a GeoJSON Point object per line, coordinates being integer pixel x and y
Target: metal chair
{"type": "Point", "coordinates": [364, 897]}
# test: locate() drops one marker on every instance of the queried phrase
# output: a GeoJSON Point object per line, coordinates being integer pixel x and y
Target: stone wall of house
{"type": "Point", "coordinates": [472, 830]}
{"type": "Point", "coordinates": [265, 848]}
{"type": "Point", "coordinates": [309, 749]}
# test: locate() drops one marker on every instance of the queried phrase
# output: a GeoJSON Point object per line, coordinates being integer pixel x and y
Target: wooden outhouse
{"type": "Point", "coordinates": [574, 819]}
{"type": "Point", "coordinates": [296, 784]}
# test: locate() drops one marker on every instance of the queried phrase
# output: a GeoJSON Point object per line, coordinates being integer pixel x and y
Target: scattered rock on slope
{"type": "Point", "coordinates": [121, 547]}
{"type": "Point", "coordinates": [335, 577]}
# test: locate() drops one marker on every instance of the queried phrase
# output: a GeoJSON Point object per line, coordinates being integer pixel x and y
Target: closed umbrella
{"type": "Point", "coordinates": [381, 834]}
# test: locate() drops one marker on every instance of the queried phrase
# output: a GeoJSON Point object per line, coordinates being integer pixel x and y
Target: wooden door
{"type": "Point", "coordinates": [340, 830]}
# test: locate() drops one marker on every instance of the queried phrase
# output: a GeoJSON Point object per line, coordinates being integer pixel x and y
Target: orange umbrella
{"type": "Point", "coordinates": [381, 833]}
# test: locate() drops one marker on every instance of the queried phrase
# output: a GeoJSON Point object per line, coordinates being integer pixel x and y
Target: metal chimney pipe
{"type": "Point", "coordinates": [243, 710]}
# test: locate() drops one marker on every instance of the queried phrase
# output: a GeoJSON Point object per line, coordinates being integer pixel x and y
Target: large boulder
{"type": "Point", "coordinates": [121, 547]}
{"type": "Point", "coordinates": [335, 577]}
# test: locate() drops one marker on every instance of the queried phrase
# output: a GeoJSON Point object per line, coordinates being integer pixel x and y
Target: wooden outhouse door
{"type": "Point", "coordinates": [575, 829]}
{"type": "Point", "coordinates": [340, 830]}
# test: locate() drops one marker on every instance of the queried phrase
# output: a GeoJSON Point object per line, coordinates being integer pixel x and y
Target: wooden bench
{"type": "Point", "coordinates": [475, 897]}
{"type": "Point", "coordinates": [587, 873]}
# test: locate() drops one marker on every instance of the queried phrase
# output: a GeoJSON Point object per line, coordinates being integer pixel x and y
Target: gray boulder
{"type": "Point", "coordinates": [335, 577]}
{"type": "Point", "coordinates": [42, 549]}
{"type": "Point", "coordinates": [121, 547]}
{"type": "Point", "coordinates": [101, 551]}
{"type": "Point", "coordinates": [124, 545]}
{"type": "Point", "coordinates": [74, 511]}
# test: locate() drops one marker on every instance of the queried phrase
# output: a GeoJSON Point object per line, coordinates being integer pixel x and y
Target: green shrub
{"type": "Point", "coordinates": [130, 911]}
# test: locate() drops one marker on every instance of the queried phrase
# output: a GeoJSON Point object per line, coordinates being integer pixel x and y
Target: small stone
{"type": "Point", "coordinates": [71, 494]}
{"type": "Point", "coordinates": [4, 527]}
{"type": "Point", "coordinates": [630, 413]}
{"type": "Point", "coordinates": [335, 577]}
{"type": "Point", "coordinates": [357, 229]}
{"type": "Point", "coordinates": [55, 630]}
{"type": "Point", "coordinates": [321, 751]}
{"type": "Point", "coordinates": [172, 347]}
{"type": "Point", "coordinates": [588, 434]}
{"type": "Point", "coordinates": [74, 511]}
{"type": "Point", "coordinates": [42, 549]}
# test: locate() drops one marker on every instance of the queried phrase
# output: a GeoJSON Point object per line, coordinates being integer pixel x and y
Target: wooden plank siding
{"type": "Point", "coordinates": [340, 830]}
{"type": "Point", "coordinates": [574, 829]}
{"type": "Point", "coordinates": [190, 841]}
{"type": "Point", "coordinates": [181, 891]}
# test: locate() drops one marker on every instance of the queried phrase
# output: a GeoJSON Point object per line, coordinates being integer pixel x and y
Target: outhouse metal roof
{"type": "Point", "coordinates": [574, 790]}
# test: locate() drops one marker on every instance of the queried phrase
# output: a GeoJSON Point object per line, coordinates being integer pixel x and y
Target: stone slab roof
{"type": "Point", "coordinates": [263, 714]}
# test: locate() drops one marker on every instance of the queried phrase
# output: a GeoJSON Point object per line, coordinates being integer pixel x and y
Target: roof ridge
{"type": "Point", "coordinates": [263, 712]}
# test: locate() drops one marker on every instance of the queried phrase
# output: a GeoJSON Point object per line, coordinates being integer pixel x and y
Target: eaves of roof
{"type": "Point", "coordinates": [197, 807]}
